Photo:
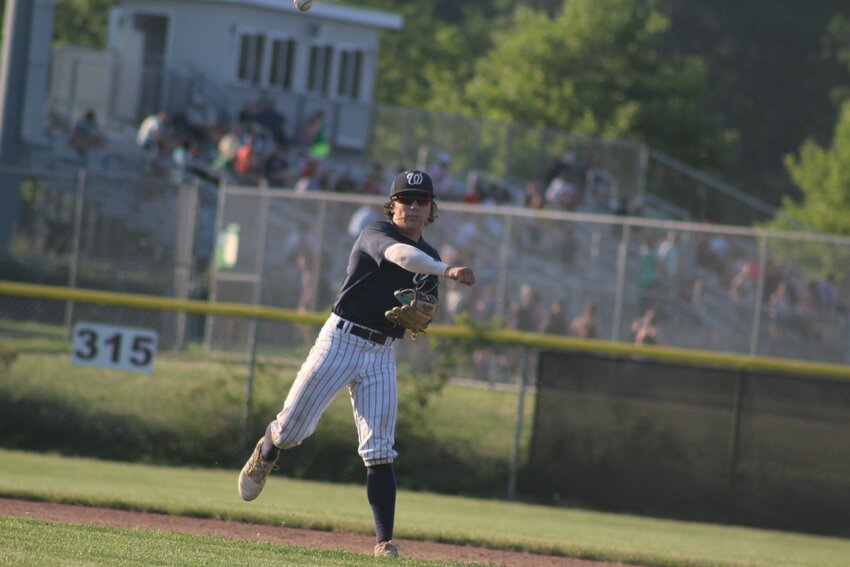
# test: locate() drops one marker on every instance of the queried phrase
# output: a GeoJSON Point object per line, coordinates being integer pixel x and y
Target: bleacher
{"type": "Point", "coordinates": [131, 212]}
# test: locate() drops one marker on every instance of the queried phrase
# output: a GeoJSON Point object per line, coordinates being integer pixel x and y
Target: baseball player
{"type": "Point", "coordinates": [390, 263]}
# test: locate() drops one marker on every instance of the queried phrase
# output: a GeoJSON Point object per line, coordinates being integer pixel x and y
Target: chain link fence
{"type": "Point", "coordinates": [707, 287]}
{"type": "Point", "coordinates": [704, 287]}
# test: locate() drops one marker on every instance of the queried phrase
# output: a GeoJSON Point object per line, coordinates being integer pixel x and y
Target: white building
{"type": "Point", "coordinates": [162, 52]}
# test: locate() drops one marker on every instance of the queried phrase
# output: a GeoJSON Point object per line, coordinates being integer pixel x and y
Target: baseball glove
{"type": "Point", "coordinates": [415, 312]}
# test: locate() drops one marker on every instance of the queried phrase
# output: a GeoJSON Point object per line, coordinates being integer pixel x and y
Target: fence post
{"type": "Point", "coordinates": [316, 263]}
{"type": "Point", "coordinates": [187, 220]}
{"type": "Point", "coordinates": [249, 382]}
{"type": "Point", "coordinates": [79, 201]}
{"type": "Point", "coordinates": [209, 322]}
{"type": "Point", "coordinates": [735, 432]}
{"type": "Point", "coordinates": [622, 255]}
{"type": "Point", "coordinates": [253, 335]}
{"type": "Point", "coordinates": [520, 413]}
{"type": "Point", "coordinates": [502, 284]}
{"type": "Point", "coordinates": [754, 337]}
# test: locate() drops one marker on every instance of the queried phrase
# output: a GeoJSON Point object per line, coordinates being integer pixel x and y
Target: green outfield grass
{"type": "Point", "coordinates": [296, 503]}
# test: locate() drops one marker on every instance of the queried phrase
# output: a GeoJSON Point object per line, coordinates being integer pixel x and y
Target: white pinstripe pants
{"type": "Point", "coordinates": [340, 359]}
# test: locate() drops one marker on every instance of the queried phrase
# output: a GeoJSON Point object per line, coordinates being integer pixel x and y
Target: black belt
{"type": "Point", "coordinates": [364, 333]}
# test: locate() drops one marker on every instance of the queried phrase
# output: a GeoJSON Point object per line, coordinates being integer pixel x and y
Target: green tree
{"type": "Point", "coordinates": [822, 173]}
{"type": "Point", "coordinates": [79, 22]}
{"type": "Point", "coordinates": [431, 58]}
{"type": "Point", "coordinates": [823, 176]}
{"type": "Point", "coordinates": [597, 68]}
{"type": "Point", "coordinates": [82, 22]}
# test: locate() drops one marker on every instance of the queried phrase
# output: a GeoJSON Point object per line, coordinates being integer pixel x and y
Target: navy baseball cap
{"type": "Point", "coordinates": [413, 182]}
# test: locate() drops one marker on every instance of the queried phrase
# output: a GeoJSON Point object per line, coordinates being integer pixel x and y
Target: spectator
{"type": "Point", "coordinates": [276, 168]}
{"type": "Point", "coordinates": [644, 331]}
{"type": "Point", "coordinates": [228, 147]}
{"type": "Point", "coordinates": [248, 160]}
{"type": "Point", "coordinates": [534, 198]}
{"type": "Point", "coordinates": [668, 256]}
{"type": "Point", "coordinates": [484, 306]}
{"type": "Point", "coordinates": [586, 325]}
{"type": "Point", "coordinates": [648, 272]}
{"type": "Point", "coordinates": [441, 176]}
{"type": "Point", "coordinates": [827, 294]}
{"type": "Point", "coordinates": [152, 134]}
{"type": "Point", "coordinates": [313, 134]}
{"type": "Point", "coordinates": [555, 321]}
{"type": "Point", "coordinates": [565, 165]}
{"type": "Point", "coordinates": [325, 179]}
{"type": "Point", "coordinates": [599, 187]}
{"type": "Point", "coordinates": [718, 248]}
{"type": "Point", "coordinates": [182, 154]}
{"type": "Point", "coordinates": [806, 311]}
{"type": "Point", "coordinates": [345, 183]}
{"type": "Point", "coordinates": [741, 285]}
{"type": "Point", "coordinates": [269, 117]}
{"type": "Point", "coordinates": [373, 183]}
{"type": "Point", "coordinates": [362, 217]}
{"type": "Point", "coordinates": [195, 117]}
{"type": "Point", "coordinates": [473, 195]}
{"type": "Point", "coordinates": [86, 134]}
{"type": "Point", "coordinates": [310, 178]}
{"type": "Point", "coordinates": [778, 308]}
{"type": "Point", "coordinates": [561, 192]}
{"type": "Point", "coordinates": [525, 315]}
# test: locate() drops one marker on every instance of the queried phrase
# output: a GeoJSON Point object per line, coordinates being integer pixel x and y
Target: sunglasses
{"type": "Point", "coordinates": [405, 200]}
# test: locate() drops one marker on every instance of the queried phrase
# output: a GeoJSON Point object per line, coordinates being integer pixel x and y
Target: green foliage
{"type": "Point", "coordinates": [82, 22]}
{"type": "Point", "coordinates": [823, 176]}
{"type": "Point", "coordinates": [596, 68]}
{"type": "Point", "coordinates": [823, 173]}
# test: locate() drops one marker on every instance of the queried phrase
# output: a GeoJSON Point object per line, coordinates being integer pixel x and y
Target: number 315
{"type": "Point", "coordinates": [141, 347]}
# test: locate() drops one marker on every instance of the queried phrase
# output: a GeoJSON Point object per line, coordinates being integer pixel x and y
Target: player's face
{"type": "Point", "coordinates": [411, 212]}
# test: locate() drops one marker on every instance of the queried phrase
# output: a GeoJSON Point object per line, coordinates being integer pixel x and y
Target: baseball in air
{"type": "Point", "coordinates": [303, 5]}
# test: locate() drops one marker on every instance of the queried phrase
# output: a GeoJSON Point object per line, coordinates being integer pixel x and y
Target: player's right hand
{"type": "Point", "coordinates": [461, 274]}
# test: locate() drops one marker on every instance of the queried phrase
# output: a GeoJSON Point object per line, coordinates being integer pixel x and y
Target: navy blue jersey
{"type": "Point", "coordinates": [370, 280]}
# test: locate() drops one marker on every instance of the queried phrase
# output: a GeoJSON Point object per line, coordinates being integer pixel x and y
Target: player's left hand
{"type": "Point", "coordinates": [461, 274]}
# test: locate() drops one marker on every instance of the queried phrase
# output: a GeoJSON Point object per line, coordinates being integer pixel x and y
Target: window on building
{"type": "Point", "coordinates": [251, 49]}
{"type": "Point", "coordinates": [350, 66]}
{"type": "Point", "coordinates": [283, 60]}
{"type": "Point", "coordinates": [319, 77]}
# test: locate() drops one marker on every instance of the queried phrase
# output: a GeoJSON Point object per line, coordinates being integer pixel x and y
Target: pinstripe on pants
{"type": "Point", "coordinates": [340, 359]}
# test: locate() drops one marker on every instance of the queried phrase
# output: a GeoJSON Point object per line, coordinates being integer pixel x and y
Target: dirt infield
{"type": "Point", "coordinates": [281, 535]}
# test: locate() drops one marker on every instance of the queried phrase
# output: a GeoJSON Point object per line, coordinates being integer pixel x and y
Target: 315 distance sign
{"type": "Point", "coordinates": [118, 348]}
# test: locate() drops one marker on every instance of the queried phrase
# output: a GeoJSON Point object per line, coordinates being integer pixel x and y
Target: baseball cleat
{"type": "Point", "coordinates": [386, 549]}
{"type": "Point", "coordinates": [253, 477]}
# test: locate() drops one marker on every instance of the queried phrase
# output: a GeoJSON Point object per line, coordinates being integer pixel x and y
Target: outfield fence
{"type": "Point", "coordinates": [701, 441]}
